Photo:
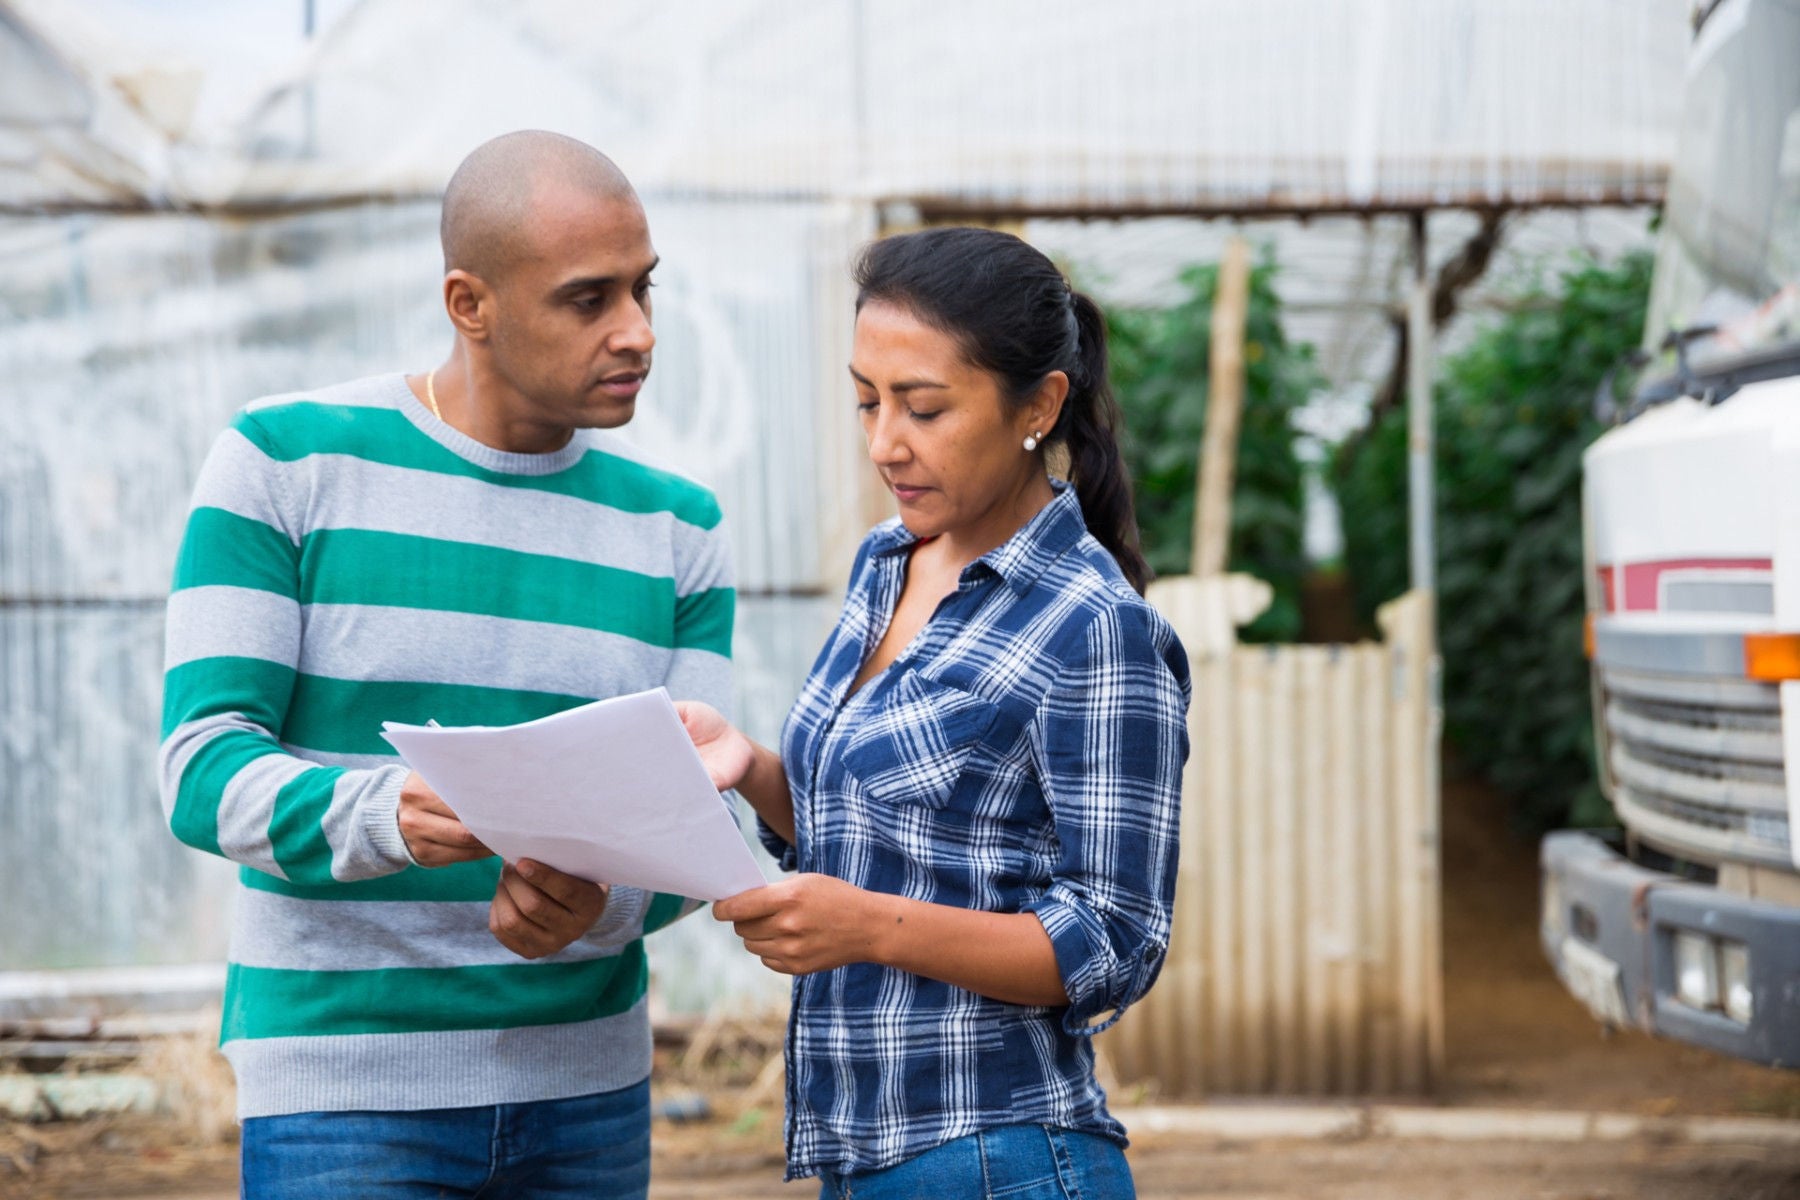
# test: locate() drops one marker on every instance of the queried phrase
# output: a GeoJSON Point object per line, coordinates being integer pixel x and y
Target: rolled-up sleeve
{"type": "Point", "coordinates": [1110, 739]}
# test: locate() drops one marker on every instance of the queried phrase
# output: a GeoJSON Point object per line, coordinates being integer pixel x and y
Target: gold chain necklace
{"type": "Point", "coordinates": [431, 393]}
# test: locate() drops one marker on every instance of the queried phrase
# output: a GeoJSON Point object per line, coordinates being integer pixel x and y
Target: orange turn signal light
{"type": "Point", "coordinates": [1587, 635]}
{"type": "Point", "coordinates": [1772, 657]}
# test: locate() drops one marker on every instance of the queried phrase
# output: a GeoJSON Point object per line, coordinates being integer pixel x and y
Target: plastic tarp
{"type": "Point", "coordinates": [1033, 102]}
{"type": "Point", "coordinates": [181, 232]}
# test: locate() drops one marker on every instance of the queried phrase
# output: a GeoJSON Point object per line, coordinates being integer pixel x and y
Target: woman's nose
{"type": "Point", "coordinates": [885, 443]}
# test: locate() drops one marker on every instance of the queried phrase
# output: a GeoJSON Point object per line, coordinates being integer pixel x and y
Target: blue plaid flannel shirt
{"type": "Point", "coordinates": [1024, 754]}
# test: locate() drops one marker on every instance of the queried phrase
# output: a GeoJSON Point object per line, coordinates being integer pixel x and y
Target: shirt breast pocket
{"type": "Point", "coordinates": [918, 745]}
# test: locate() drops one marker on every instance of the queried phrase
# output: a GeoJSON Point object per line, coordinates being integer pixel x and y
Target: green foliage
{"type": "Point", "coordinates": [1513, 417]}
{"type": "Point", "coordinates": [1159, 373]}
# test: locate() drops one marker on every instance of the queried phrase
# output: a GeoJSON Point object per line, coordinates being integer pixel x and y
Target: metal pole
{"type": "Point", "coordinates": [309, 25]}
{"type": "Point", "coordinates": [1420, 340]}
{"type": "Point", "coordinates": [1421, 345]}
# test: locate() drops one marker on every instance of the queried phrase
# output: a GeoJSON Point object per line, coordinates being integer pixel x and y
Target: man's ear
{"type": "Point", "coordinates": [470, 303]}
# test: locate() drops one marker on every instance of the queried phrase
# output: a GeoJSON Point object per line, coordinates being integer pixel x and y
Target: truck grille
{"type": "Point", "coordinates": [1697, 765]}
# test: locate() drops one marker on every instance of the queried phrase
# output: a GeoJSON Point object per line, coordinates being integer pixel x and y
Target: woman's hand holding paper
{"type": "Point", "coordinates": [804, 924]}
{"type": "Point", "coordinates": [727, 753]}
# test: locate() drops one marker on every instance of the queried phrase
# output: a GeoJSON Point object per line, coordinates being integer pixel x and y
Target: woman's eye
{"type": "Point", "coordinates": [926, 416]}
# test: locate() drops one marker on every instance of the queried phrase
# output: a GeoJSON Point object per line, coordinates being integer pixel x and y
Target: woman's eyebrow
{"type": "Point", "coordinates": [905, 385]}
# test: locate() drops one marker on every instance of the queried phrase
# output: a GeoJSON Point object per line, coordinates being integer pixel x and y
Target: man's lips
{"type": "Point", "coordinates": [623, 384]}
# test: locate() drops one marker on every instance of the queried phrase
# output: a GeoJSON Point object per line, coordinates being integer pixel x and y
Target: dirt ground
{"type": "Point", "coordinates": [1515, 1040]}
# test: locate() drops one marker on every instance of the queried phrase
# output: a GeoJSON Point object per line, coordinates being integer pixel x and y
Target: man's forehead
{"type": "Point", "coordinates": [565, 223]}
{"type": "Point", "coordinates": [549, 198]}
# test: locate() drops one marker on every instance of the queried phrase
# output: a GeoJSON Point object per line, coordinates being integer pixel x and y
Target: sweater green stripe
{"type": "Point", "coordinates": [459, 882]}
{"type": "Point", "coordinates": [344, 716]}
{"type": "Point", "coordinates": [299, 812]}
{"type": "Point", "coordinates": [339, 716]}
{"type": "Point", "coordinates": [359, 566]}
{"type": "Point", "coordinates": [373, 567]}
{"type": "Point", "coordinates": [196, 816]}
{"type": "Point", "coordinates": [385, 436]}
{"type": "Point", "coordinates": [221, 547]}
{"type": "Point", "coordinates": [255, 687]}
{"type": "Point", "coordinates": [663, 910]}
{"type": "Point", "coordinates": [267, 1002]}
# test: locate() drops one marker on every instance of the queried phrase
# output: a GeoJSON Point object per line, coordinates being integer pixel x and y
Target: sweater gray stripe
{"type": "Point", "coordinates": [371, 495]}
{"type": "Point", "coordinates": [398, 1072]}
{"type": "Point", "coordinates": [205, 622]}
{"type": "Point", "coordinates": [285, 933]}
{"type": "Point", "coordinates": [350, 762]}
{"type": "Point", "coordinates": [248, 801]}
{"type": "Point", "coordinates": [405, 500]}
{"type": "Point", "coordinates": [247, 806]}
{"type": "Point", "coordinates": [358, 641]}
{"type": "Point", "coordinates": [237, 479]}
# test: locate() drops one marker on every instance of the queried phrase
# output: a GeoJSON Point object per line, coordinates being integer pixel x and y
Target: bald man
{"type": "Point", "coordinates": [406, 1015]}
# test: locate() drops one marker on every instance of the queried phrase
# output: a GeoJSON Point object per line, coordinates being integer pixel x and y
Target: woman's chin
{"type": "Point", "coordinates": [919, 525]}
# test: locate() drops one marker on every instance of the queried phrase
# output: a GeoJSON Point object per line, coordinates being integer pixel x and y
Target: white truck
{"type": "Point", "coordinates": [1687, 923]}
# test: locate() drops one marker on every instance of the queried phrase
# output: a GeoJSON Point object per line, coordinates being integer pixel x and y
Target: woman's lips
{"type": "Point", "coordinates": [905, 494]}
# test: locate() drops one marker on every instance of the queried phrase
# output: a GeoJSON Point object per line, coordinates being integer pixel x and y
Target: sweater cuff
{"type": "Point", "coordinates": [381, 818]}
{"type": "Point", "coordinates": [622, 920]}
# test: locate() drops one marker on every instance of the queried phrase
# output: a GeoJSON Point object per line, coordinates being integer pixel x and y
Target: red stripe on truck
{"type": "Point", "coordinates": [1643, 581]}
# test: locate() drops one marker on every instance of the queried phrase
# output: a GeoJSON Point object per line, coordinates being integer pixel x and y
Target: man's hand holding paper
{"type": "Point", "coordinates": [434, 836]}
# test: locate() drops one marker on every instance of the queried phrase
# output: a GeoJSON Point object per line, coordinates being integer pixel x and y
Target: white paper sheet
{"type": "Point", "coordinates": [612, 791]}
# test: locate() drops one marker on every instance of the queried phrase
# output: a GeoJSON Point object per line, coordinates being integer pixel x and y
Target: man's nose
{"type": "Point", "coordinates": [633, 334]}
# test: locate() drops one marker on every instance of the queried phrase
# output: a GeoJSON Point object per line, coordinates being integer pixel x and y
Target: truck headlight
{"type": "Point", "coordinates": [1734, 981]}
{"type": "Point", "coordinates": [1696, 971]}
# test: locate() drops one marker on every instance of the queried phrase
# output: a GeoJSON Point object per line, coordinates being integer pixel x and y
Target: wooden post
{"type": "Point", "coordinates": [1224, 404]}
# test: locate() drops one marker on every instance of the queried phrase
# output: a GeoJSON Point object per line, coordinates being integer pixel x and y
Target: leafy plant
{"type": "Point", "coordinates": [1160, 360]}
{"type": "Point", "coordinates": [1513, 416]}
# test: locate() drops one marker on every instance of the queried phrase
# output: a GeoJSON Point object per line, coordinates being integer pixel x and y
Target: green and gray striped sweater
{"type": "Point", "coordinates": [350, 559]}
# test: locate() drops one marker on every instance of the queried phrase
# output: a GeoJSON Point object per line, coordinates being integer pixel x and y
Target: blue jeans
{"type": "Point", "coordinates": [593, 1147]}
{"type": "Point", "coordinates": [1013, 1162]}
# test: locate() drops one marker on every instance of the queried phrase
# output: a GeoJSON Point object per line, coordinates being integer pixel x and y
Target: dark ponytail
{"type": "Point", "coordinates": [1090, 430]}
{"type": "Point", "coordinates": [1017, 318]}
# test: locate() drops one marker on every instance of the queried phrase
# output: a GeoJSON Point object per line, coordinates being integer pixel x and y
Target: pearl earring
{"type": "Point", "coordinates": [1031, 443]}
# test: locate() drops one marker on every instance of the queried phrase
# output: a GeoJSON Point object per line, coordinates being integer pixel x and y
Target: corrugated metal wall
{"type": "Point", "coordinates": [1306, 955]}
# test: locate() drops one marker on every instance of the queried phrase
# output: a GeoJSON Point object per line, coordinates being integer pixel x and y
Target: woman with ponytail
{"type": "Point", "coordinates": [980, 782]}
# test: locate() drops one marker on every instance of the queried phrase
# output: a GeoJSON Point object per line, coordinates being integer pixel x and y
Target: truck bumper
{"type": "Point", "coordinates": [1620, 937]}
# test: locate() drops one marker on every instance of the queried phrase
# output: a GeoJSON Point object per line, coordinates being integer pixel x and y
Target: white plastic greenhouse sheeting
{"type": "Point", "coordinates": [758, 130]}
{"type": "Point", "coordinates": [1046, 102]}
{"type": "Point", "coordinates": [128, 339]}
